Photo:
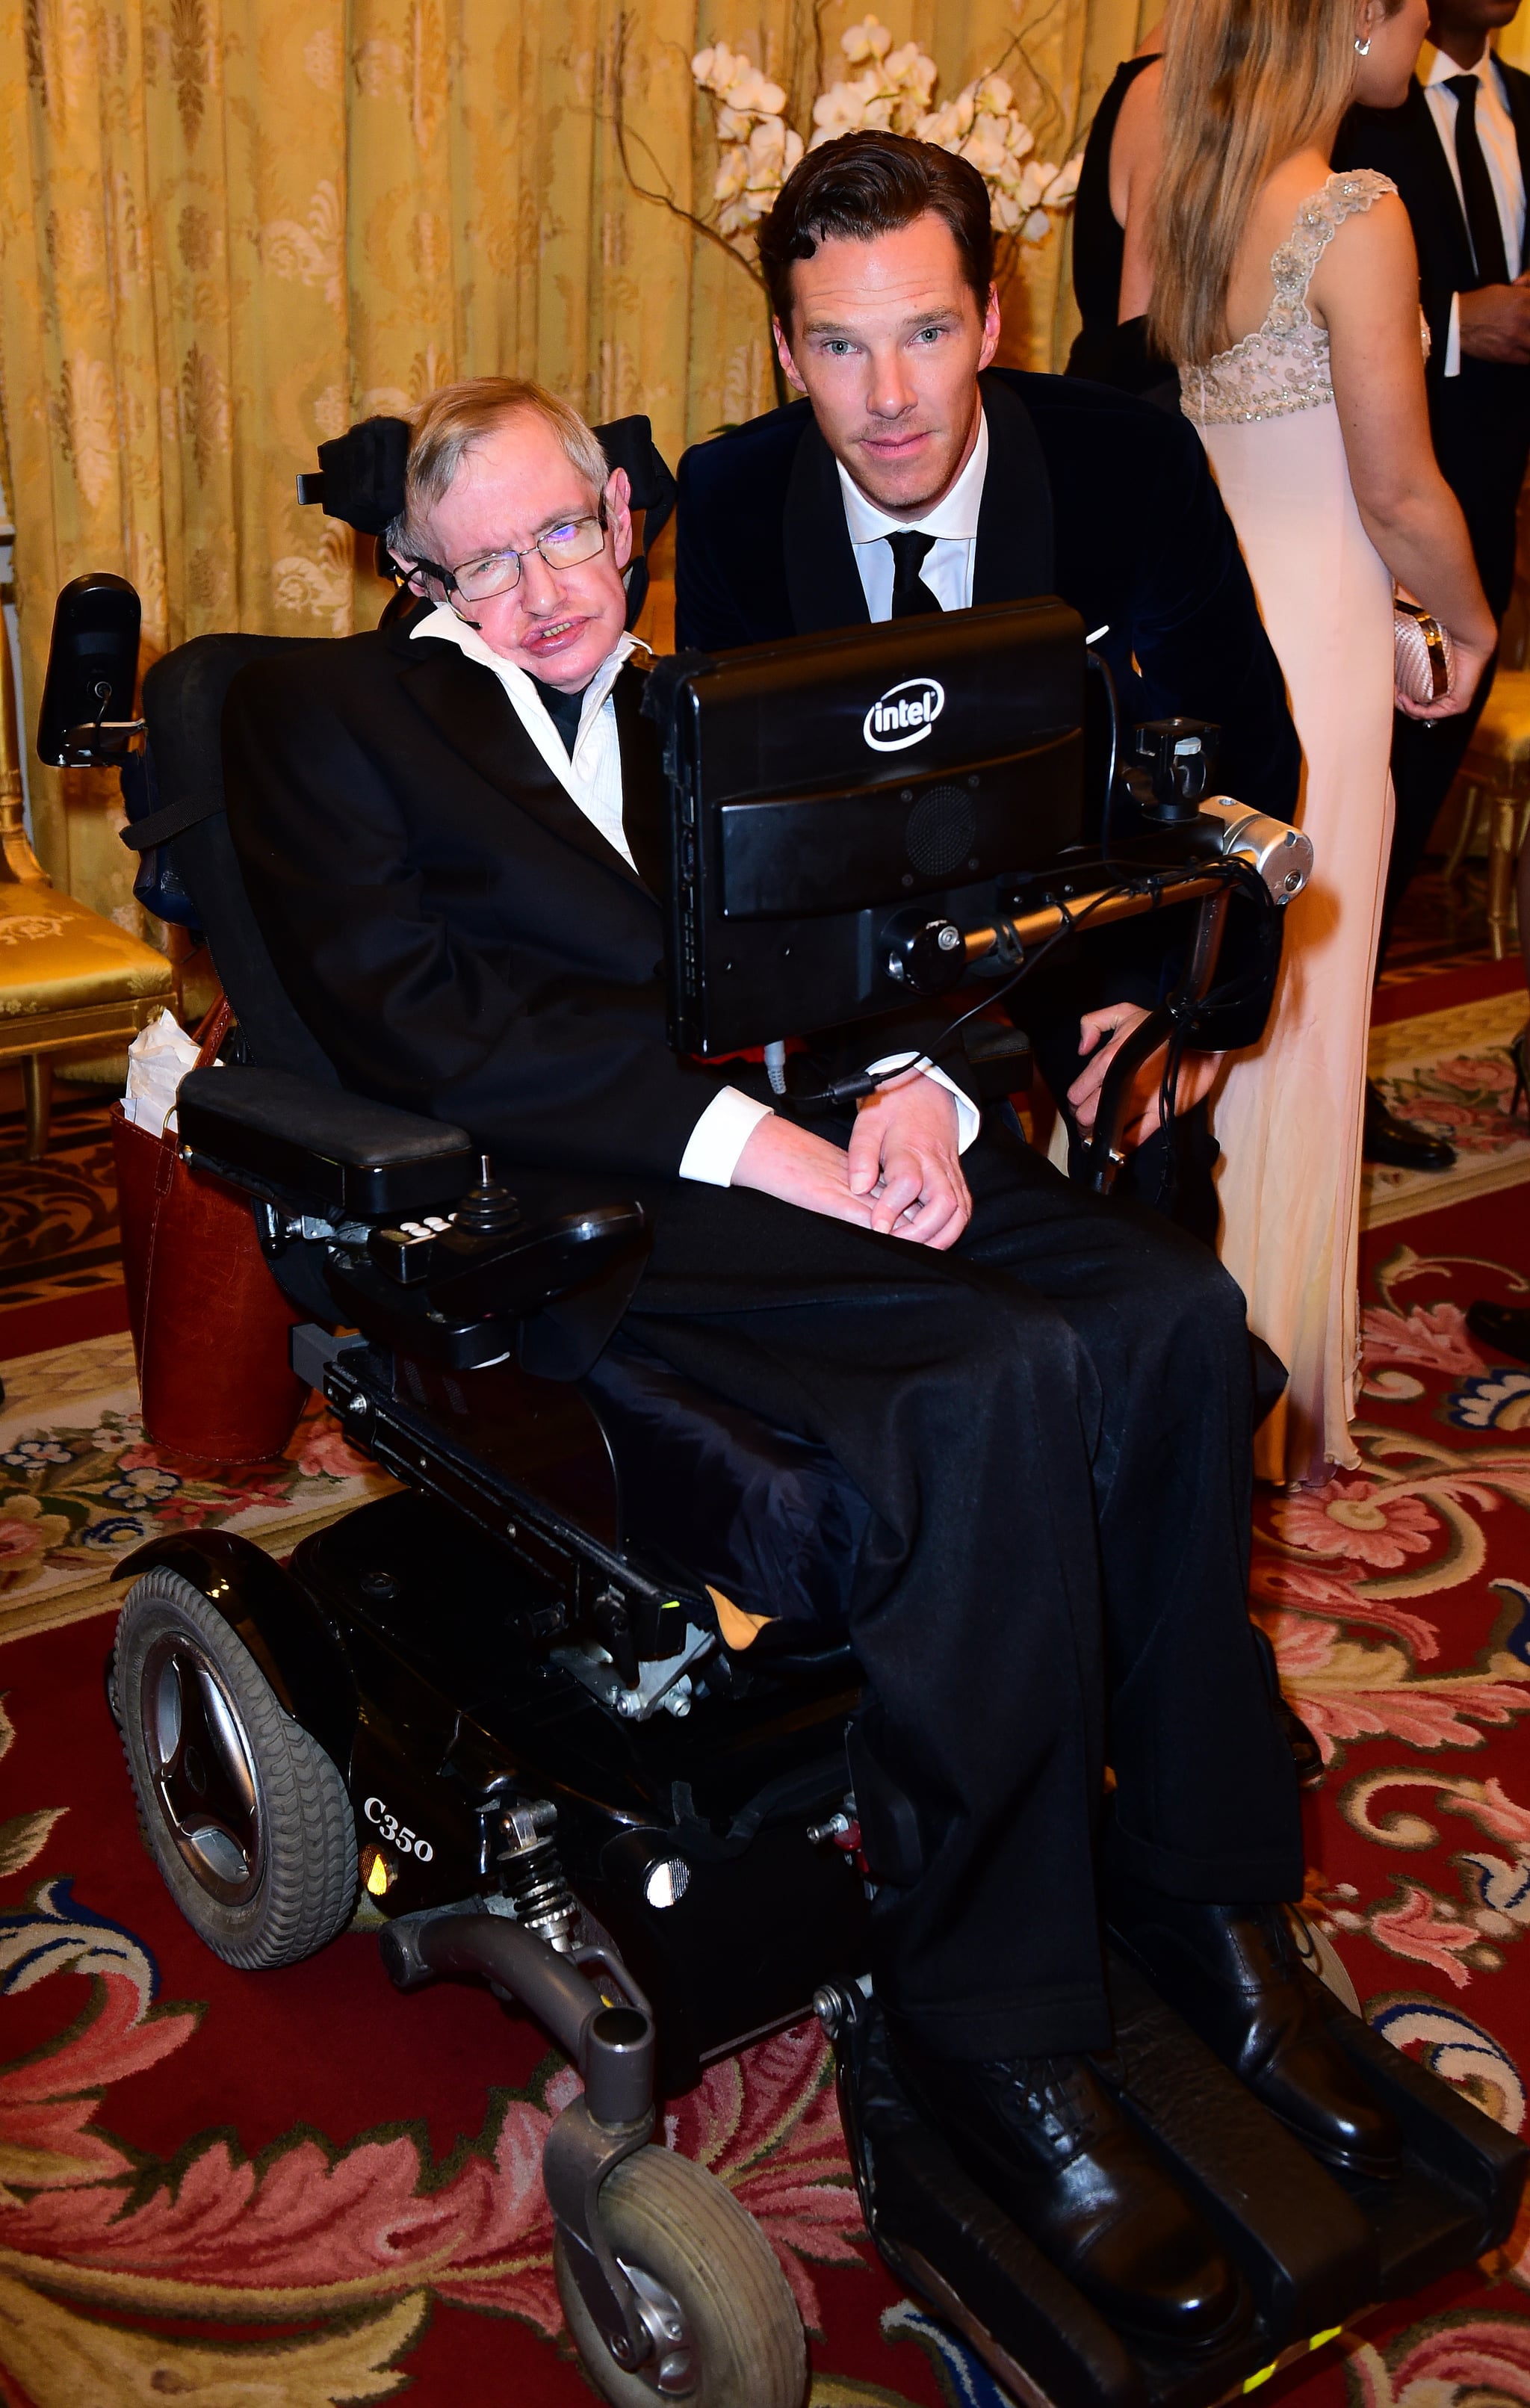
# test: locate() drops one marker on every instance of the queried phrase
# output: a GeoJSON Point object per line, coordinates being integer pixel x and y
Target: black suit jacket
{"type": "Point", "coordinates": [446, 920]}
{"type": "Point", "coordinates": [449, 924]}
{"type": "Point", "coordinates": [1090, 494]}
{"type": "Point", "coordinates": [1481, 418]}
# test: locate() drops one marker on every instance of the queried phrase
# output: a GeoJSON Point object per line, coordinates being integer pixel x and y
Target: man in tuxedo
{"type": "Point", "coordinates": [914, 476]}
{"type": "Point", "coordinates": [446, 828]}
{"type": "Point", "coordinates": [1458, 151]}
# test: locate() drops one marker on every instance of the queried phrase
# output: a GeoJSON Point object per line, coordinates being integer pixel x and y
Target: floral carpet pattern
{"type": "Point", "coordinates": [297, 2189]}
{"type": "Point", "coordinates": [1449, 1072]}
{"type": "Point", "coordinates": [80, 1485]}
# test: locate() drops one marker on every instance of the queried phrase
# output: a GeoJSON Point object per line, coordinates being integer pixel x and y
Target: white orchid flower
{"type": "Point", "coordinates": [994, 97]}
{"type": "Point", "coordinates": [753, 91]}
{"type": "Point", "coordinates": [1065, 183]}
{"type": "Point", "coordinates": [731, 173]}
{"type": "Point", "coordinates": [1037, 227]}
{"type": "Point", "coordinates": [869, 39]}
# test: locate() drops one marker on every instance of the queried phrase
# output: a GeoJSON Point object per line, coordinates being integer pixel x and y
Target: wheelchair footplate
{"type": "Point", "coordinates": [1315, 2249]}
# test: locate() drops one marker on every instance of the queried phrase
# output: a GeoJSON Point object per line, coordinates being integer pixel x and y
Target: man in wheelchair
{"type": "Point", "coordinates": [449, 831]}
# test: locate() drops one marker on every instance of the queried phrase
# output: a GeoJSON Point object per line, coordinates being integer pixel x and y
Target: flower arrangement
{"type": "Point", "coordinates": [894, 89]}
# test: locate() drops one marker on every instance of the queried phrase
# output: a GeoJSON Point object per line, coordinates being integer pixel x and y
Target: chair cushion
{"type": "Point", "coordinates": [768, 1518]}
{"type": "Point", "coordinates": [1502, 735]}
{"type": "Point", "coordinates": [58, 955]}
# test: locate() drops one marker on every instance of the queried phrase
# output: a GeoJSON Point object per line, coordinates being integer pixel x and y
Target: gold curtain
{"type": "Point", "coordinates": [227, 227]}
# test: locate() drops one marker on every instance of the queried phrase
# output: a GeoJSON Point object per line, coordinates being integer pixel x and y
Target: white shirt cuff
{"type": "Point", "coordinates": [968, 1118]}
{"type": "Point", "coordinates": [1453, 341]}
{"type": "Point", "coordinates": [714, 1145]}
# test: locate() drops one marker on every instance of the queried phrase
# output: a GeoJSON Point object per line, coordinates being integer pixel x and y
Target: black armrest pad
{"type": "Point", "coordinates": [320, 1145]}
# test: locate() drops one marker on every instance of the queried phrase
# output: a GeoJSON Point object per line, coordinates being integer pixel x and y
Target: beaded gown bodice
{"type": "Point", "coordinates": [1283, 365]}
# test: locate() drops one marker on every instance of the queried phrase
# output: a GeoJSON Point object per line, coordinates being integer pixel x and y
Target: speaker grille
{"type": "Point", "coordinates": [941, 829]}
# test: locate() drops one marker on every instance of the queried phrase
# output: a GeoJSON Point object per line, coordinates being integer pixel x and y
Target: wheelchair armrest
{"type": "Point", "coordinates": [278, 1135]}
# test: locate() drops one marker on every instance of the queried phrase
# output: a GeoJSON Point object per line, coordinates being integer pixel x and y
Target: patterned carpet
{"type": "Point", "coordinates": [297, 2189]}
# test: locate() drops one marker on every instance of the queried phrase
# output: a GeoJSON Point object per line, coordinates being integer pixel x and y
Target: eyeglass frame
{"type": "Point", "coordinates": [447, 577]}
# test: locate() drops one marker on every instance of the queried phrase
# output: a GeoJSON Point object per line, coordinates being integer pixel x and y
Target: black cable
{"type": "Point", "coordinates": [852, 1090]}
{"type": "Point", "coordinates": [1101, 667]}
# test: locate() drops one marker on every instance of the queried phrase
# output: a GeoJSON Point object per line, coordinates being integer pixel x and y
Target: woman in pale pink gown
{"type": "Point", "coordinates": [1289, 298]}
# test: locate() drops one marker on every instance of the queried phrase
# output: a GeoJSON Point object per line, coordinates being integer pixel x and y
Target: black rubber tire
{"type": "Point", "coordinates": [306, 1887]}
{"type": "Point", "coordinates": [677, 2221]}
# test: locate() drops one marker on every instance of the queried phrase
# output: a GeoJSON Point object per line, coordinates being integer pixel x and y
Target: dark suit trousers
{"type": "Point", "coordinates": [1051, 1424]}
{"type": "Point", "coordinates": [1482, 436]}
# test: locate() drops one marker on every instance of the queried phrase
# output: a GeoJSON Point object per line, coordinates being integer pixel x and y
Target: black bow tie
{"type": "Point", "coordinates": [911, 596]}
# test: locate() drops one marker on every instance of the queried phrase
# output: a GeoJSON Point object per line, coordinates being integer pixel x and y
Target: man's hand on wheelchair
{"type": "Point", "coordinates": [1113, 1025]}
{"type": "Point", "coordinates": [902, 1174]}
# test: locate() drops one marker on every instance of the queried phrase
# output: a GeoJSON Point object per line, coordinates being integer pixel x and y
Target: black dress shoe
{"type": "Point", "coordinates": [1044, 2138]}
{"type": "Point", "coordinates": [1400, 1143]}
{"type": "Point", "coordinates": [1231, 1972]}
{"type": "Point", "coordinates": [1502, 1327]}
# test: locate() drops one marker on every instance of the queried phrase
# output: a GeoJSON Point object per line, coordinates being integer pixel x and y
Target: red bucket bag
{"type": "Point", "coordinates": [210, 1323]}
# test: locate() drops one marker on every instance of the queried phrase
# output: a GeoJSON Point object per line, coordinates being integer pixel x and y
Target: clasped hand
{"type": "Point", "coordinates": [902, 1174]}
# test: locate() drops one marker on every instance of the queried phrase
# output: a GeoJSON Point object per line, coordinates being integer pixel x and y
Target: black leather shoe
{"type": "Point", "coordinates": [1501, 1327]}
{"type": "Point", "coordinates": [1232, 1972]}
{"type": "Point", "coordinates": [1400, 1143]}
{"type": "Point", "coordinates": [1045, 2141]}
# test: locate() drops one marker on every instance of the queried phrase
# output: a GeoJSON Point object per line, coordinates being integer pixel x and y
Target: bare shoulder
{"type": "Point", "coordinates": [1139, 104]}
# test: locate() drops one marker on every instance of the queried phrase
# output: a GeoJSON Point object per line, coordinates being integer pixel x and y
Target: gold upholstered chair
{"type": "Point", "coordinates": [1495, 775]}
{"type": "Point", "coordinates": [70, 980]}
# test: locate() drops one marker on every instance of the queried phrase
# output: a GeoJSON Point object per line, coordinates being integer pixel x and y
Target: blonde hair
{"type": "Point", "coordinates": [1246, 84]}
{"type": "Point", "coordinates": [444, 429]}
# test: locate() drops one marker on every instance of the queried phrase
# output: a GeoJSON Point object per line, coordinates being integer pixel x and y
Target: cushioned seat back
{"type": "Point", "coordinates": [183, 698]}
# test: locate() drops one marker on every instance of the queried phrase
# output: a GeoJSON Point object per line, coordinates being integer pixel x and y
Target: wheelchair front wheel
{"type": "Point", "coordinates": [696, 2254]}
{"type": "Point", "coordinates": [245, 1814]}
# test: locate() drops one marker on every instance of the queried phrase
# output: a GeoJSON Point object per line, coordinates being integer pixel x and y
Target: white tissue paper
{"type": "Point", "coordinates": [158, 1059]}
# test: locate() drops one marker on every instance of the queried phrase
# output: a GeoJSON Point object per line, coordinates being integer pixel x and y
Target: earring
{"type": "Point", "coordinates": [1363, 47]}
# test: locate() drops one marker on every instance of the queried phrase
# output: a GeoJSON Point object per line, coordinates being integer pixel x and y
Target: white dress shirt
{"type": "Point", "coordinates": [591, 776]}
{"type": "Point", "coordinates": [1500, 150]}
{"type": "Point", "coordinates": [947, 569]}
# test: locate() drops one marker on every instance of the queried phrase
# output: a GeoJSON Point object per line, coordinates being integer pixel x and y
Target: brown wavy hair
{"type": "Point", "coordinates": [1246, 84]}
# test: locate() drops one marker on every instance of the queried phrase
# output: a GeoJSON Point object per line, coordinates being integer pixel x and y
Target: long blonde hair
{"type": "Point", "coordinates": [1246, 84]}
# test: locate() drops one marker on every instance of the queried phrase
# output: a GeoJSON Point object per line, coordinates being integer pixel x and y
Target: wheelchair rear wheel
{"type": "Point", "coordinates": [703, 2262]}
{"type": "Point", "coordinates": [245, 1814]}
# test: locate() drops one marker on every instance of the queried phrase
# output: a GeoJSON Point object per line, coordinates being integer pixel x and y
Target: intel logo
{"type": "Point", "coordinates": [904, 715]}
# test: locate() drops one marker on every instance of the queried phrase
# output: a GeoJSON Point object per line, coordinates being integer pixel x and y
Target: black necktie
{"type": "Point", "coordinates": [1483, 224]}
{"type": "Point", "coordinates": [911, 596]}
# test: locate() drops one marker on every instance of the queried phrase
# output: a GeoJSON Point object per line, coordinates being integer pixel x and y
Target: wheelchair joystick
{"type": "Point", "coordinates": [487, 1209]}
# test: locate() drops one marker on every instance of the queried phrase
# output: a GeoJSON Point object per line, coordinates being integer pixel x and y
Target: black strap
{"type": "Point", "coordinates": [1483, 224]}
{"type": "Point", "coordinates": [170, 821]}
{"type": "Point", "coordinates": [911, 597]}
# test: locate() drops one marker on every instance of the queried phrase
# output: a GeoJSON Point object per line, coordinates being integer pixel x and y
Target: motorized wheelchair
{"type": "Point", "coordinates": [501, 1704]}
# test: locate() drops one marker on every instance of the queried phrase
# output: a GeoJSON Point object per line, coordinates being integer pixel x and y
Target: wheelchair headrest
{"type": "Point", "coordinates": [361, 473]}
{"type": "Point", "coordinates": [93, 666]}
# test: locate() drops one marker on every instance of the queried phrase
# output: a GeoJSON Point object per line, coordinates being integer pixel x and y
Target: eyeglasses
{"type": "Point", "coordinates": [499, 572]}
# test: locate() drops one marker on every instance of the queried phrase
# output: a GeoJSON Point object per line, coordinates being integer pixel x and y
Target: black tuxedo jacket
{"type": "Point", "coordinates": [1481, 418]}
{"type": "Point", "coordinates": [451, 927]}
{"type": "Point", "coordinates": [1090, 494]}
{"type": "Point", "coordinates": [449, 924]}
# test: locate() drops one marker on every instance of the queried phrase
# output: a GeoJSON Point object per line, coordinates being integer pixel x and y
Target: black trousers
{"type": "Point", "coordinates": [1481, 423]}
{"type": "Point", "coordinates": [1052, 1424]}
